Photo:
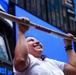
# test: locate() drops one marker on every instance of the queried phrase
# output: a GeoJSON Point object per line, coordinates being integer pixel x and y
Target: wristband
{"type": "Point", "coordinates": [68, 47]}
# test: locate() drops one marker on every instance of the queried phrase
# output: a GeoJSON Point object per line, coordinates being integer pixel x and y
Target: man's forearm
{"type": "Point", "coordinates": [71, 58]}
{"type": "Point", "coordinates": [21, 53]}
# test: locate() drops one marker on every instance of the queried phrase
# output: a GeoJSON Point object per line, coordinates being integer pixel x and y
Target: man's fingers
{"type": "Point", "coordinates": [25, 19]}
{"type": "Point", "coordinates": [70, 35]}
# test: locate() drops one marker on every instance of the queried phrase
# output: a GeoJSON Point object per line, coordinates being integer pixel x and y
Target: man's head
{"type": "Point", "coordinates": [34, 46]}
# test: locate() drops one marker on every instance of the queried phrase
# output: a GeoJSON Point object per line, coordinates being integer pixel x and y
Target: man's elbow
{"type": "Point", "coordinates": [19, 64]}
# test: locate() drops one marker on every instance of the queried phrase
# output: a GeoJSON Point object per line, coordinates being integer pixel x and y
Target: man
{"type": "Point", "coordinates": [27, 59]}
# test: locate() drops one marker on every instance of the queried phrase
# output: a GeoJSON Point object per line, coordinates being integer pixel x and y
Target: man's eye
{"type": "Point", "coordinates": [31, 40]}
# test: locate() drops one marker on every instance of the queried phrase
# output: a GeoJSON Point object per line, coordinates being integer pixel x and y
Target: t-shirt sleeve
{"type": "Point", "coordinates": [57, 63]}
{"type": "Point", "coordinates": [31, 58]}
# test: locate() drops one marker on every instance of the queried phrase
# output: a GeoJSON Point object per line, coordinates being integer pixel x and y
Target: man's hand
{"type": "Point", "coordinates": [68, 42]}
{"type": "Point", "coordinates": [23, 28]}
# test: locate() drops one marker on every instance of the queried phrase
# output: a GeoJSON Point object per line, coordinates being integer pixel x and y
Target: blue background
{"type": "Point", "coordinates": [4, 4]}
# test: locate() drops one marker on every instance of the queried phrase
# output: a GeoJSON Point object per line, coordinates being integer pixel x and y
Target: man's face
{"type": "Point", "coordinates": [34, 46]}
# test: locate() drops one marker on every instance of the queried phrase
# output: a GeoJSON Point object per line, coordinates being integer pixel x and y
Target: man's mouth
{"type": "Point", "coordinates": [37, 47]}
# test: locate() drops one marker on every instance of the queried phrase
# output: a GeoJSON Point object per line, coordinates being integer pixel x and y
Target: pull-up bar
{"type": "Point", "coordinates": [15, 19]}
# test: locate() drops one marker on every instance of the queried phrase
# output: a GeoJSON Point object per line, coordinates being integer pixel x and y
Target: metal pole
{"type": "Point", "coordinates": [15, 19]}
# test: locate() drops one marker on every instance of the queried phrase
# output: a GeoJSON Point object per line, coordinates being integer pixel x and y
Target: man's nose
{"type": "Point", "coordinates": [37, 42]}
